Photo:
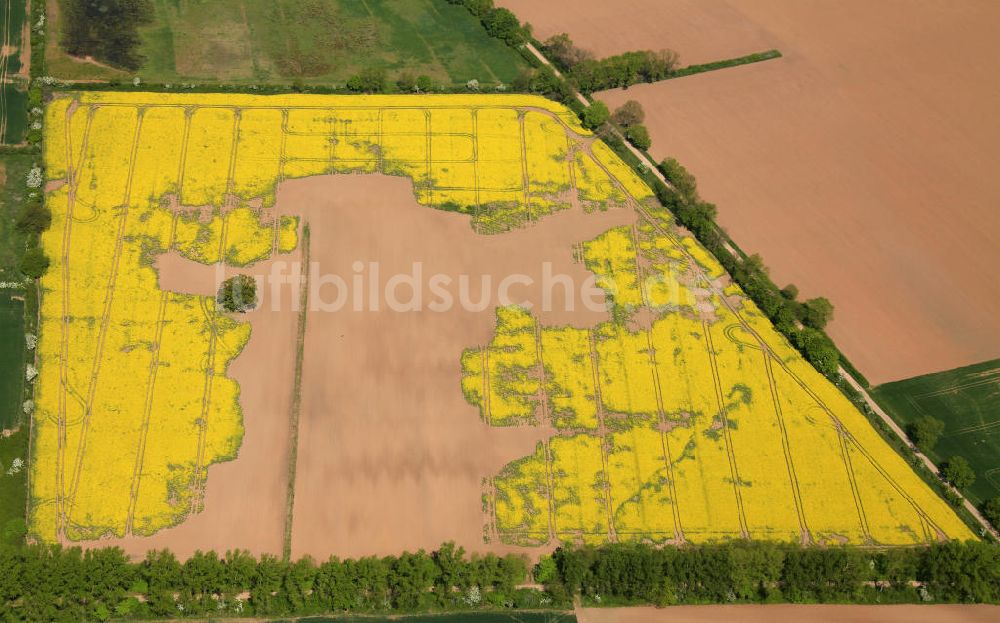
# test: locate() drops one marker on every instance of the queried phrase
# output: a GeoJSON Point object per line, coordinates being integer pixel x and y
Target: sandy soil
{"type": "Point", "coordinates": [780, 613]}
{"type": "Point", "coordinates": [391, 457]}
{"type": "Point", "coordinates": [699, 30]}
{"type": "Point", "coordinates": [862, 167]}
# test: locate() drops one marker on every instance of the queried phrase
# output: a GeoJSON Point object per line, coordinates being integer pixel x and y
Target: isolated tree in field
{"type": "Point", "coordinates": [238, 294]}
{"type": "Point", "coordinates": [925, 432]}
{"type": "Point", "coordinates": [817, 312]}
{"type": "Point", "coordinates": [629, 113]}
{"type": "Point", "coordinates": [34, 263]}
{"type": "Point", "coordinates": [958, 472]}
{"type": "Point", "coordinates": [680, 178]}
{"type": "Point", "coordinates": [638, 135]}
{"type": "Point", "coordinates": [595, 115]}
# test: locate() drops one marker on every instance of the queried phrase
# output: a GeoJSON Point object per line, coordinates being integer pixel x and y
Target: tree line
{"type": "Point", "coordinates": [752, 572]}
{"type": "Point", "coordinates": [52, 583]}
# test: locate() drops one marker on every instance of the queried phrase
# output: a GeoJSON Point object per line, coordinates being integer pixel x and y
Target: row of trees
{"type": "Point", "coordinates": [621, 70]}
{"type": "Point", "coordinates": [106, 30]}
{"type": "Point", "coordinates": [50, 583]}
{"type": "Point", "coordinates": [767, 572]}
{"type": "Point", "coordinates": [498, 22]}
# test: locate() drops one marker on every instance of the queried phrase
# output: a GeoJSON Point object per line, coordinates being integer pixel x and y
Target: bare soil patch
{"type": "Point", "coordinates": [787, 612]}
{"type": "Point", "coordinates": [861, 166]}
{"type": "Point", "coordinates": [699, 30]}
{"type": "Point", "coordinates": [391, 457]}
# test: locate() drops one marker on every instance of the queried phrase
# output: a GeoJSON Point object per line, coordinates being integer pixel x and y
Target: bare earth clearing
{"type": "Point", "coordinates": [787, 612]}
{"type": "Point", "coordinates": [700, 30]}
{"type": "Point", "coordinates": [391, 457]}
{"type": "Point", "coordinates": [861, 166]}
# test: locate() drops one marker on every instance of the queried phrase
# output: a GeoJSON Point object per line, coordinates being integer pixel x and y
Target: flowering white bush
{"type": "Point", "coordinates": [136, 81]}
{"type": "Point", "coordinates": [30, 340]}
{"type": "Point", "coordinates": [473, 596]}
{"type": "Point", "coordinates": [34, 177]}
{"type": "Point", "coordinates": [15, 467]}
{"type": "Point", "coordinates": [36, 125]}
{"type": "Point", "coordinates": [30, 373]}
{"type": "Point", "coordinates": [28, 406]}
{"type": "Point", "coordinates": [472, 85]}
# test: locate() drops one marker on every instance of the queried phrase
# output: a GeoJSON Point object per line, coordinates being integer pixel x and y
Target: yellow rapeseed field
{"type": "Point", "coordinates": [684, 417]}
{"type": "Point", "coordinates": [133, 398]}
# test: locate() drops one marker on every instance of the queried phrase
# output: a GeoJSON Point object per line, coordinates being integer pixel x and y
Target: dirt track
{"type": "Point", "coordinates": [813, 614]}
{"type": "Point", "coordinates": [861, 167]}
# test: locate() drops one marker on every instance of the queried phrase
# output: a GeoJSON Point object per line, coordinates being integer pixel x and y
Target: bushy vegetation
{"type": "Point", "coordinates": [106, 30]}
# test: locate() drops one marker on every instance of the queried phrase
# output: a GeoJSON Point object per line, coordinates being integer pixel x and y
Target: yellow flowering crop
{"type": "Point", "coordinates": [684, 416]}
{"type": "Point", "coordinates": [705, 423]}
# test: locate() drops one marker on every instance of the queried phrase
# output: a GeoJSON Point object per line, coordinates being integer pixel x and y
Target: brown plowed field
{"type": "Point", "coordinates": [862, 166]}
{"type": "Point", "coordinates": [700, 30]}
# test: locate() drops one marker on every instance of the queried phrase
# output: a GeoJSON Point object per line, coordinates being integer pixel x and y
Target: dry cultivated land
{"type": "Point", "coordinates": [861, 165]}
{"type": "Point", "coordinates": [701, 30]}
{"type": "Point", "coordinates": [677, 414]}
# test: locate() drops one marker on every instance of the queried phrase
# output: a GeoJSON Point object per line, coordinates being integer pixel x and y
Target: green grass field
{"type": "Point", "coordinates": [13, 172]}
{"type": "Point", "coordinates": [13, 115]}
{"type": "Point", "coordinates": [13, 487]}
{"type": "Point", "coordinates": [13, 169]}
{"type": "Point", "coordinates": [967, 400]}
{"type": "Point", "coordinates": [313, 41]}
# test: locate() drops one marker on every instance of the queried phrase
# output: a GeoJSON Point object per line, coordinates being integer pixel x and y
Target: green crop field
{"type": "Point", "coordinates": [312, 41]}
{"type": "Point", "coordinates": [13, 173]}
{"type": "Point", "coordinates": [12, 486]}
{"type": "Point", "coordinates": [13, 115]}
{"type": "Point", "coordinates": [967, 400]}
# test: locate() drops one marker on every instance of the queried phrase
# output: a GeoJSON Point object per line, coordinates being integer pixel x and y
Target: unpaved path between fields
{"type": "Point", "coordinates": [794, 612]}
